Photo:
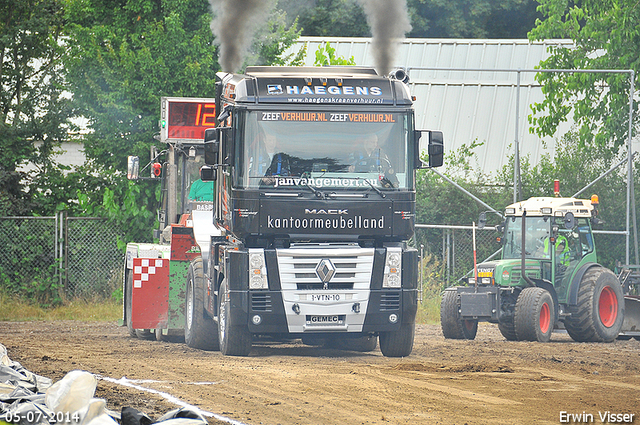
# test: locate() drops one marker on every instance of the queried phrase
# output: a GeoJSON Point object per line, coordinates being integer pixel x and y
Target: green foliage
{"type": "Point", "coordinates": [273, 39]}
{"type": "Point", "coordinates": [429, 18]}
{"type": "Point", "coordinates": [572, 163]}
{"type": "Point", "coordinates": [327, 56]}
{"type": "Point", "coordinates": [125, 55]}
{"type": "Point", "coordinates": [34, 110]}
{"type": "Point", "coordinates": [607, 36]}
{"type": "Point", "coordinates": [28, 267]}
{"type": "Point", "coordinates": [432, 284]}
{"type": "Point", "coordinates": [472, 19]}
{"type": "Point", "coordinates": [344, 18]}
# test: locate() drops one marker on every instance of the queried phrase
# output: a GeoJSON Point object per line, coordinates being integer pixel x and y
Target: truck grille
{"type": "Point", "coordinates": [390, 301]}
{"type": "Point", "coordinates": [353, 267]}
{"type": "Point", "coordinates": [260, 302]}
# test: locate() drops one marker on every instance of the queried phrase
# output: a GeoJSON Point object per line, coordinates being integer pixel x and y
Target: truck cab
{"type": "Point", "coordinates": [315, 182]}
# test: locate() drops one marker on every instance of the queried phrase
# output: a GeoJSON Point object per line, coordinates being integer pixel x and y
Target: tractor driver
{"type": "Point", "coordinates": [201, 190]}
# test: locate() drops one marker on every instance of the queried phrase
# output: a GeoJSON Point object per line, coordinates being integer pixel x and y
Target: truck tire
{"type": "Point", "coordinates": [600, 308]}
{"type": "Point", "coordinates": [508, 330]}
{"type": "Point", "coordinates": [534, 315]}
{"type": "Point", "coordinates": [452, 326]}
{"type": "Point", "coordinates": [128, 288]}
{"type": "Point", "coordinates": [235, 338]}
{"type": "Point", "coordinates": [398, 343]}
{"type": "Point", "coordinates": [200, 330]}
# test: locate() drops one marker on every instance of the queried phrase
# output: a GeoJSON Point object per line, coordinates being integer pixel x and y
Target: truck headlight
{"type": "Point", "coordinates": [393, 269]}
{"type": "Point", "coordinates": [257, 270]}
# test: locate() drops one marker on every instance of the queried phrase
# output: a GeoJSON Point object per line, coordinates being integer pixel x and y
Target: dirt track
{"type": "Point", "coordinates": [486, 381]}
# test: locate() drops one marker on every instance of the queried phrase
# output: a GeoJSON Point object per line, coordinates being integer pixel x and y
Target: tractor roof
{"type": "Point", "coordinates": [551, 206]}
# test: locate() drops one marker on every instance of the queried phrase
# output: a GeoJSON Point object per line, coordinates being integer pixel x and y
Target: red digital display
{"type": "Point", "coordinates": [189, 120]}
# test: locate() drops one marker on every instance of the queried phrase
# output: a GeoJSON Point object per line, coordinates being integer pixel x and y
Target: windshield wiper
{"type": "Point", "coordinates": [378, 191]}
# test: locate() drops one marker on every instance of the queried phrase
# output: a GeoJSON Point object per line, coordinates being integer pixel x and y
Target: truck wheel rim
{"type": "Point", "coordinates": [608, 306]}
{"type": "Point", "coordinates": [189, 307]}
{"type": "Point", "coordinates": [545, 318]}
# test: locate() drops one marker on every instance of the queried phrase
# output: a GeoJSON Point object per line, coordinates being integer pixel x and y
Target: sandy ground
{"type": "Point", "coordinates": [485, 381]}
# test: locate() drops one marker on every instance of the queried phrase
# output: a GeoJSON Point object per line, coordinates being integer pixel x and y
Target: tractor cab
{"type": "Point", "coordinates": [553, 235]}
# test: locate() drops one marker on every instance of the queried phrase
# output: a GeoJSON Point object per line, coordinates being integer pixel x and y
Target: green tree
{"type": "Point", "coordinates": [34, 110]}
{"type": "Point", "coordinates": [344, 18]}
{"type": "Point", "coordinates": [327, 56]}
{"type": "Point", "coordinates": [429, 18]}
{"type": "Point", "coordinates": [472, 18]}
{"type": "Point", "coordinates": [606, 36]}
{"type": "Point", "coordinates": [124, 55]}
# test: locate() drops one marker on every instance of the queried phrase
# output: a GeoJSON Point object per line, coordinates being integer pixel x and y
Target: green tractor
{"type": "Point", "coordinates": [548, 278]}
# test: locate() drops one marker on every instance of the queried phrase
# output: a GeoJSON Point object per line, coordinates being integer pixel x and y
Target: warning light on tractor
{"type": "Point", "coordinates": [595, 200]}
{"type": "Point", "coordinates": [156, 169]}
{"type": "Point", "coordinates": [556, 187]}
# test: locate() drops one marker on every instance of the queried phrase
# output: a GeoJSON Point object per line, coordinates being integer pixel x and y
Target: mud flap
{"type": "Point", "coordinates": [150, 293]}
{"type": "Point", "coordinates": [631, 324]}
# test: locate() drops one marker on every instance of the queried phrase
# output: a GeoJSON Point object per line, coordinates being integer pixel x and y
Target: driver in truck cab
{"type": "Point", "coordinates": [267, 161]}
{"type": "Point", "coordinates": [370, 158]}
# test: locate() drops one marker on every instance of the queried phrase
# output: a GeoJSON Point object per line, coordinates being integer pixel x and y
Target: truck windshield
{"type": "Point", "coordinates": [323, 149]}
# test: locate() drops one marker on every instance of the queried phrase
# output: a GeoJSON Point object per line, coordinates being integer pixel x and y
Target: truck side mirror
{"type": "Point", "coordinates": [208, 173]}
{"type": "Point", "coordinates": [433, 143]}
{"type": "Point", "coordinates": [211, 146]}
{"type": "Point", "coordinates": [436, 149]}
{"type": "Point", "coordinates": [482, 220]}
{"type": "Point", "coordinates": [133, 167]}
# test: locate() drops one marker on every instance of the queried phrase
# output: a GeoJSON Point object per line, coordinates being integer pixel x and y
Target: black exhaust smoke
{"type": "Point", "coordinates": [389, 22]}
{"type": "Point", "coordinates": [234, 24]}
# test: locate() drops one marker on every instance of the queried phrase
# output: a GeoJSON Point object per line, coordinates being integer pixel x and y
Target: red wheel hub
{"type": "Point", "coordinates": [545, 318]}
{"type": "Point", "coordinates": [608, 306]}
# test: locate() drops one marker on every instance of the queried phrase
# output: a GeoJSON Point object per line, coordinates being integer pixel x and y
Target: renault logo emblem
{"type": "Point", "coordinates": [325, 271]}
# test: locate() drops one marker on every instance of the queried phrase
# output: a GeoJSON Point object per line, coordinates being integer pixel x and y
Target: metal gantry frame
{"type": "Point", "coordinates": [517, 191]}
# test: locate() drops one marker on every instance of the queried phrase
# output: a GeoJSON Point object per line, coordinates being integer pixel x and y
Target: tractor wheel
{"type": "Point", "coordinates": [398, 343]}
{"type": "Point", "coordinates": [145, 334]}
{"type": "Point", "coordinates": [452, 326]}
{"type": "Point", "coordinates": [534, 316]}
{"type": "Point", "coordinates": [235, 338]}
{"type": "Point", "coordinates": [200, 330]}
{"type": "Point", "coordinates": [600, 309]}
{"type": "Point", "coordinates": [508, 330]}
{"type": "Point", "coordinates": [128, 287]}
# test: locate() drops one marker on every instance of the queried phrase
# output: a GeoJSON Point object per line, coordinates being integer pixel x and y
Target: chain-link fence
{"type": "Point", "coordinates": [29, 264]}
{"type": "Point", "coordinates": [451, 247]}
{"type": "Point", "coordinates": [48, 258]}
{"type": "Point", "coordinates": [93, 262]}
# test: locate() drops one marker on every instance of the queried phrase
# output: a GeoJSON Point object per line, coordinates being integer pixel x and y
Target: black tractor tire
{"type": "Point", "coordinates": [534, 316]}
{"type": "Point", "coordinates": [600, 308]}
{"type": "Point", "coordinates": [235, 338]}
{"type": "Point", "coordinates": [398, 343]}
{"type": "Point", "coordinates": [200, 330]}
{"type": "Point", "coordinates": [145, 334]}
{"type": "Point", "coordinates": [508, 329]}
{"type": "Point", "coordinates": [128, 288]}
{"type": "Point", "coordinates": [452, 326]}
{"type": "Point", "coordinates": [172, 336]}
